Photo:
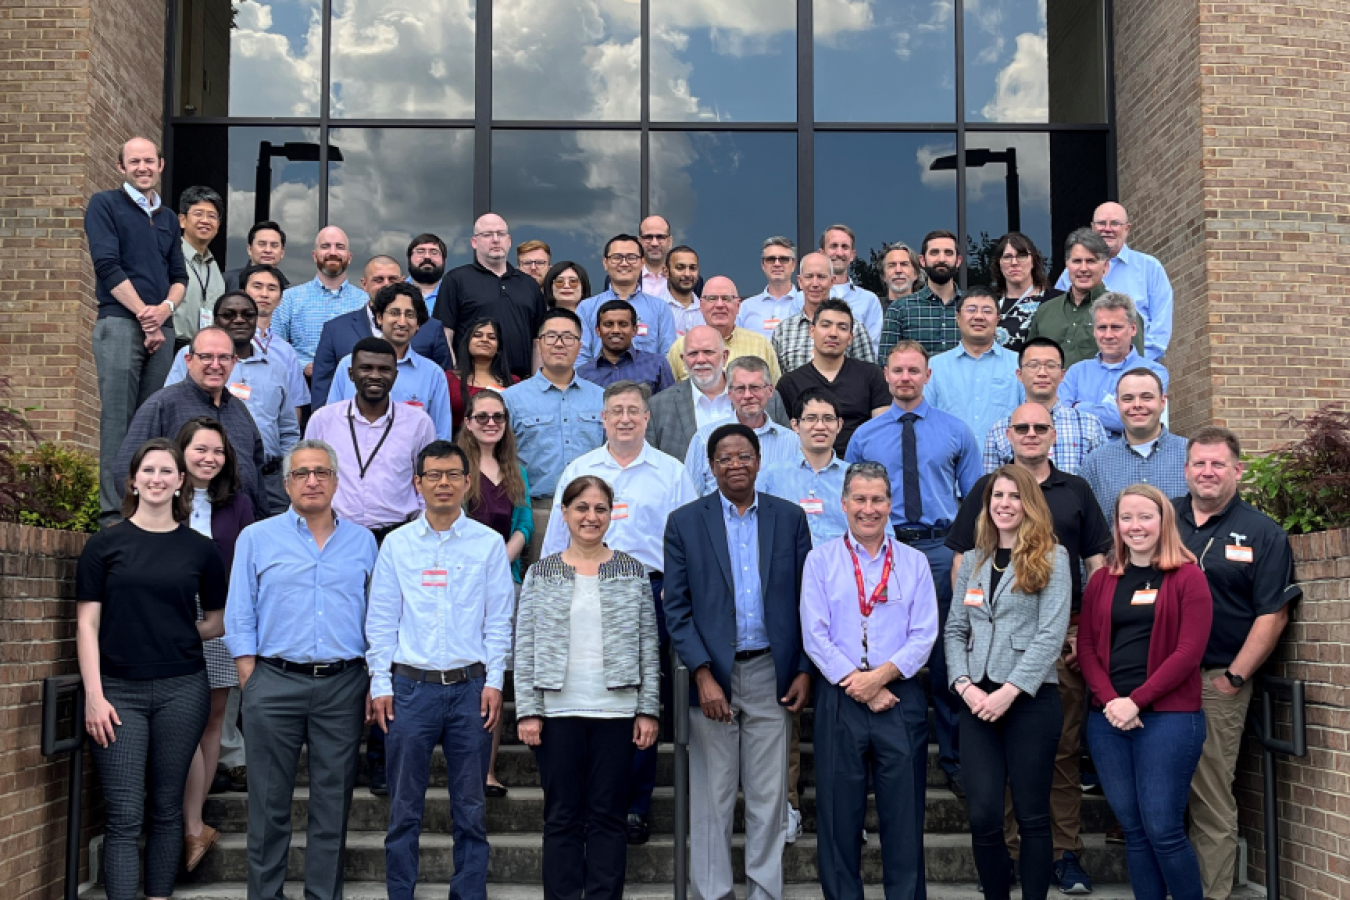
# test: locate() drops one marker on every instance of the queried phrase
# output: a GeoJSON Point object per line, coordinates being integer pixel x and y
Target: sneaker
{"type": "Point", "coordinates": [794, 830]}
{"type": "Point", "coordinates": [379, 782]}
{"type": "Point", "coordinates": [1091, 783]}
{"type": "Point", "coordinates": [1070, 877]}
{"type": "Point", "coordinates": [638, 829]}
{"type": "Point", "coordinates": [239, 779]}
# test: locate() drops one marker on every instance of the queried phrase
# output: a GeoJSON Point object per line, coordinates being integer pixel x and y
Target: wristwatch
{"type": "Point", "coordinates": [1236, 681]}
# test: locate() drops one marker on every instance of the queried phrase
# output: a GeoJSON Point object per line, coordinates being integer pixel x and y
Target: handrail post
{"type": "Point", "coordinates": [679, 695]}
{"type": "Point", "coordinates": [63, 732]}
{"type": "Point", "coordinates": [1270, 745]}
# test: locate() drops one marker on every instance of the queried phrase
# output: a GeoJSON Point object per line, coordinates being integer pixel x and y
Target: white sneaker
{"type": "Point", "coordinates": [794, 829]}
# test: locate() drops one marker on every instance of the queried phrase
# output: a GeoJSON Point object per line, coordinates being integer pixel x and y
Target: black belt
{"type": "Point", "coordinates": [272, 466]}
{"type": "Point", "coordinates": [910, 535]}
{"type": "Point", "coordinates": [313, 670]}
{"type": "Point", "coordinates": [450, 676]}
{"type": "Point", "coordinates": [743, 655]}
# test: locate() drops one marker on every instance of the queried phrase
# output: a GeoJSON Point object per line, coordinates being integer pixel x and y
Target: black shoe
{"type": "Point", "coordinates": [239, 779]}
{"type": "Point", "coordinates": [1012, 877]}
{"type": "Point", "coordinates": [221, 783]}
{"type": "Point", "coordinates": [379, 784]}
{"type": "Point", "coordinates": [638, 829]}
{"type": "Point", "coordinates": [955, 786]}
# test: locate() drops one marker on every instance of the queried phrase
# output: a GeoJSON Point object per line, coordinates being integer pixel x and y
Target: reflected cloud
{"type": "Point", "coordinates": [268, 77]}
{"type": "Point", "coordinates": [1022, 92]}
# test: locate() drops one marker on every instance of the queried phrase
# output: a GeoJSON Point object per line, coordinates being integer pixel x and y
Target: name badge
{"type": "Point", "coordinates": [974, 597]}
{"type": "Point", "coordinates": [240, 390]}
{"type": "Point", "coordinates": [1238, 553]}
{"type": "Point", "coordinates": [771, 324]}
{"type": "Point", "coordinates": [205, 318]}
{"type": "Point", "coordinates": [416, 403]}
{"type": "Point", "coordinates": [620, 511]}
{"type": "Point", "coordinates": [642, 329]}
{"type": "Point", "coordinates": [812, 506]}
{"type": "Point", "coordinates": [435, 578]}
{"type": "Point", "coordinates": [1144, 598]}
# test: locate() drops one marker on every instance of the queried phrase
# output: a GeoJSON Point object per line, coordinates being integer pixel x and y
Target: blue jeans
{"type": "Point", "coordinates": [425, 713]}
{"type": "Point", "coordinates": [1146, 774]}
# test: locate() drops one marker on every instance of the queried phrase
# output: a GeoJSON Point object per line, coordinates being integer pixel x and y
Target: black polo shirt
{"type": "Point", "coordinates": [1249, 565]}
{"type": "Point", "coordinates": [859, 388]}
{"type": "Point", "coordinates": [514, 300]}
{"type": "Point", "coordinates": [1080, 527]}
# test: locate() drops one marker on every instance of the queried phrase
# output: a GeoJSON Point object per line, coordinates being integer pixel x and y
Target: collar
{"type": "Point", "coordinates": [629, 355]}
{"type": "Point", "coordinates": [205, 397]}
{"type": "Point", "coordinates": [424, 528]}
{"type": "Point", "coordinates": [610, 294]}
{"type": "Point", "coordinates": [1126, 255]}
{"type": "Point", "coordinates": [671, 301]}
{"type": "Point", "coordinates": [729, 510]}
{"type": "Point", "coordinates": [700, 397]}
{"type": "Point", "coordinates": [862, 552]}
{"type": "Point", "coordinates": [793, 294]}
{"type": "Point", "coordinates": [331, 292]}
{"type": "Point", "coordinates": [834, 463]}
{"type": "Point", "coordinates": [996, 351]}
{"type": "Point", "coordinates": [1056, 477]}
{"type": "Point", "coordinates": [607, 459]}
{"type": "Point", "coordinates": [844, 289]}
{"type": "Point", "coordinates": [434, 291]}
{"type": "Point", "coordinates": [1186, 510]}
{"type": "Point", "coordinates": [544, 385]}
{"type": "Point", "coordinates": [149, 203]}
{"type": "Point", "coordinates": [412, 359]}
{"type": "Point", "coordinates": [510, 269]}
{"type": "Point", "coordinates": [190, 252]}
{"type": "Point", "coordinates": [1131, 357]}
{"type": "Point", "coordinates": [299, 524]}
{"type": "Point", "coordinates": [354, 414]}
{"type": "Point", "coordinates": [370, 317]}
{"type": "Point", "coordinates": [1092, 295]}
{"type": "Point", "coordinates": [895, 412]}
{"type": "Point", "coordinates": [926, 295]}
{"type": "Point", "coordinates": [769, 427]}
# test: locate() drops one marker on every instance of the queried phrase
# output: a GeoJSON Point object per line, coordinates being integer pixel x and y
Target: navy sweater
{"type": "Point", "coordinates": [125, 243]}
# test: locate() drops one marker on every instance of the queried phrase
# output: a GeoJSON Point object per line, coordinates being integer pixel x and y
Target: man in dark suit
{"type": "Point", "coordinates": [733, 574]}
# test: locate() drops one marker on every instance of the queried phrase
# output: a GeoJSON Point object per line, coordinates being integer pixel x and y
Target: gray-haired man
{"type": "Point", "coordinates": [1090, 385]}
{"type": "Point", "coordinates": [780, 298]}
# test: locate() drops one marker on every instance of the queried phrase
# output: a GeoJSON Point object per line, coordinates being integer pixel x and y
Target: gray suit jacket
{"type": "Point", "coordinates": [673, 422]}
{"type": "Point", "coordinates": [1011, 636]}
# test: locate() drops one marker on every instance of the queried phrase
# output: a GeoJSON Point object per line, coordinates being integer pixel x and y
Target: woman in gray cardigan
{"type": "Point", "coordinates": [1009, 615]}
{"type": "Point", "coordinates": [587, 679]}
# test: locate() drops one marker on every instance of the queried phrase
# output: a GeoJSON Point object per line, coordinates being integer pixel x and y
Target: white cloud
{"type": "Point", "coordinates": [1022, 88]}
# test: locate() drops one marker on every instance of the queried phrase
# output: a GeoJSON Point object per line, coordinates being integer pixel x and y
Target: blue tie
{"type": "Point", "coordinates": [909, 446]}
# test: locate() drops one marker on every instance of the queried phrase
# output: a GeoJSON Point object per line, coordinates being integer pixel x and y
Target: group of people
{"type": "Point", "coordinates": [356, 511]}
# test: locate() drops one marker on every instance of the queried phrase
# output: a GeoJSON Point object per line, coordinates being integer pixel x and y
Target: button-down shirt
{"type": "Point", "coordinates": [819, 494]}
{"type": "Point", "coordinates": [440, 600]}
{"type": "Point", "coordinates": [514, 299]}
{"type": "Point", "coordinates": [685, 317]}
{"type": "Point", "coordinates": [292, 600]}
{"type": "Point", "coordinates": [763, 312]}
{"type": "Point", "coordinates": [306, 308]}
{"type": "Point", "coordinates": [978, 390]}
{"type": "Point", "coordinates": [420, 383]}
{"type": "Point", "coordinates": [743, 548]}
{"type": "Point", "coordinates": [646, 492]}
{"type": "Point", "coordinates": [1077, 434]}
{"type": "Point", "coordinates": [777, 445]}
{"type": "Point", "coordinates": [384, 496]}
{"type": "Point", "coordinates": [656, 326]}
{"type": "Point", "coordinates": [1116, 465]}
{"type": "Point", "coordinates": [1091, 386]}
{"type": "Point", "coordinates": [149, 203]}
{"type": "Point", "coordinates": [284, 354]}
{"type": "Point", "coordinates": [654, 283]}
{"type": "Point", "coordinates": [205, 284]}
{"type": "Point", "coordinates": [263, 383]}
{"type": "Point", "coordinates": [1070, 325]}
{"type": "Point", "coordinates": [865, 305]}
{"type": "Point", "coordinates": [633, 365]}
{"type": "Point", "coordinates": [792, 342]}
{"type": "Point", "coordinates": [901, 630]}
{"type": "Point", "coordinates": [948, 460]}
{"type": "Point", "coordinates": [714, 410]}
{"type": "Point", "coordinates": [1145, 280]}
{"type": "Point", "coordinates": [553, 426]}
{"type": "Point", "coordinates": [743, 342]}
{"type": "Point", "coordinates": [428, 299]}
{"type": "Point", "coordinates": [923, 317]}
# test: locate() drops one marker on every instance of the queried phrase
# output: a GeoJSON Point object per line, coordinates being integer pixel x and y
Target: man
{"type": "Point", "coordinates": [294, 622]}
{"type": "Point", "coordinates": [681, 278]}
{"type": "Point", "coordinates": [439, 627]}
{"type": "Point", "coordinates": [490, 287]}
{"type": "Point", "coordinates": [200, 212]}
{"type": "Point", "coordinates": [733, 621]}
{"type": "Point", "coordinates": [1081, 530]}
{"type": "Point", "coordinates": [619, 360]}
{"type": "Point", "coordinates": [656, 326]}
{"type": "Point", "coordinates": [1040, 369]}
{"type": "Point", "coordinates": [697, 401]}
{"type": "Point", "coordinates": [928, 315]}
{"type": "Point", "coordinates": [750, 388]}
{"type": "Point", "coordinates": [838, 243]}
{"type": "Point", "coordinates": [764, 311]}
{"type": "Point", "coordinates": [859, 388]}
{"type": "Point", "coordinates": [902, 272]}
{"type": "Point", "coordinates": [306, 308]}
{"type": "Point", "coordinates": [139, 279]}
{"type": "Point", "coordinates": [264, 284]}
{"type": "Point", "coordinates": [1091, 384]}
{"type": "Point", "coordinates": [266, 247]}
{"type": "Point", "coordinates": [555, 414]}
{"type": "Point", "coordinates": [341, 335]}
{"type": "Point", "coordinates": [657, 240]}
{"type": "Point", "coordinates": [720, 305]}
{"type": "Point", "coordinates": [814, 481]}
{"type": "Point", "coordinates": [1067, 318]}
{"type": "Point", "coordinates": [426, 267]}
{"type": "Point", "coordinates": [1147, 452]}
{"type": "Point", "coordinates": [934, 458]}
{"type": "Point", "coordinates": [210, 368]}
{"type": "Point", "coordinates": [377, 442]}
{"type": "Point", "coordinates": [534, 258]}
{"type": "Point", "coordinates": [1250, 569]}
{"type": "Point", "coordinates": [792, 337]}
{"type": "Point", "coordinates": [976, 380]}
{"type": "Point", "coordinates": [1135, 274]}
{"type": "Point", "coordinates": [869, 622]}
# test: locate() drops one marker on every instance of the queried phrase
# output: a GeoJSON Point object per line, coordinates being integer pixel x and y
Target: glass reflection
{"type": "Point", "coordinates": [723, 62]}
{"type": "Point", "coordinates": [403, 59]}
{"type": "Point", "coordinates": [566, 59]}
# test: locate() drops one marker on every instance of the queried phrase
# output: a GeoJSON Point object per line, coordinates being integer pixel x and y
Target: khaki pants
{"type": "Point", "coordinates": [1214, 812]}
{"type": "Point", "coordinates": [1066, 791]}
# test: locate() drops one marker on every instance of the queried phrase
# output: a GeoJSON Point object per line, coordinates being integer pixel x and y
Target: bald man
{"type": "Point", "coordinates": [792, 338]}
{"type": "Point", "coordinates": [1137, 274]}
{"type": "Point", "coordinates": [721, 304]}
{"type": "Point", "coordinates": [306, 308]}
{"type": "Point", "coordinates": [490, 287]}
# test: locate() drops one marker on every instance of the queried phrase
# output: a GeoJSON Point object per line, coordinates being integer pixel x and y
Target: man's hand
{"type": "Point", "coordinates": [1071, 651]}
{"type": "Point", "coordinates": [152, 318]}
{"type": "Point", "coordinates": [645, 729]}
{"type": "Point", "coordinates": [710, 697]}
{"type": "Point", "coordinates": [490, 707]}
{"type": "Point", "coordinates": [799, 693]}
{"type": "Point", "coordinates": [530, 730]}
{"type": "Point", "coordinates": [1220, 683]}
{"type": "Point", "coordinates": [309, 372]}
{"type": "Point", "coordinates": [864, 686]}
{"type": "Point", "coordinates": [154, 340]}
{"type": "Point", "coordinates": [381, 712]}
{"type": "Point", "coordinates": [883, 701]}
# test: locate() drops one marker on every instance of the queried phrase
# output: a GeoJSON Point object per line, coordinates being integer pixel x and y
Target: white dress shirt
{"type": "Point", "coordinates": [712, 410]}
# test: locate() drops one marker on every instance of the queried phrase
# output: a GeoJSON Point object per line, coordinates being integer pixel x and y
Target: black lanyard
{"type": "Point", "coordinates": [351, 423]}
{"type": "Point", "coordinates": [205, 287]}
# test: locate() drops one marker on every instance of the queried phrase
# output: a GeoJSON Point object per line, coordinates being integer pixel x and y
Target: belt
{"type": "Point", "coordinates": [743, 655]}
{"type": "Point", "coordinates": [450, 676]}
{"type": "Point", "coordinates": [314, 670]}
{"type": "Point", "coordinates": [910, 535]}
{"type": "Point", "coordinates": [272, 466]}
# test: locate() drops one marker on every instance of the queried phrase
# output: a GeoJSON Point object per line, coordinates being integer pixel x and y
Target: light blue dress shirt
{"type": "Point", "coordinates": [743, 548]}
{"type": "Point", "coordinates": [284, 353]}
{"type": "Point", "coordinates": [978, 390]}
{"type": "Point", "coordinates": [149, 205]}
{"type": "Point", "coordinates": [656, 326]}
{"type": "Point", "coordinates": [306, 308]}
{"type": "Point", "coordinates": [440, 600]}
{"type": "Point", "coordinates": [819, 494]}
{"type": "Point", "coordinates": [866, 308]}
{"type": "Point", "coordinates": [553, 426]}
{"type": "Point", "coordinates": [777, 446]}
{"type": "Point", "coordinates": [420, 383]}
{"type": "Point", "coordinates": [763, 312]}
{"type": "Point", "coordinates": [269, 399]}
{"type": "Point", "coordinates": [1090, 386]}
{"type": "Point", "coordinates": [289, 599]}
{"type": "Point", "coordinates": [428, 299]}
{"type": "Point", "coordinates": [1116, 465]}
{"type": "Point", "coordinates": [1145, 280]}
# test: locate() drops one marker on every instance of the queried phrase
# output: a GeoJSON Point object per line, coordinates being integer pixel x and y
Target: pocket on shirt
{"type": "Point", "coordinates": [591, 424]}
{"type": "Point", "coordinates": [530, 422]}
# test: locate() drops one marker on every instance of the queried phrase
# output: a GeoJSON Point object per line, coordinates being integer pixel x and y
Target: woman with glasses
{"type": "Point", "coordinates": [566, 285]}
{"type": "Point", "coordinates": [479, 365]}
{"type": "Point", "coordinates": [1018, 275]}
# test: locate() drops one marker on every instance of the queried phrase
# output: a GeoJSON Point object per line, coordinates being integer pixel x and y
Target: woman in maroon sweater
{"type": "Point", "coordinates": [1142, 632]}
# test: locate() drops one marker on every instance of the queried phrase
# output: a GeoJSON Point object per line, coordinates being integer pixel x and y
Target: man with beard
{"type": "Point", "coordinates": [751, 390]}
{"type": "Point", "coordinates": [266, 247]}
{"type": "Point", "coordinates": [682, 276]}
{"type": "Point", "coordinates": [426, 265]}
{"type": "Point", "coordinates": [534, 258]}
{"type": "Point", "coordinates": [902, 271]}
{"type": "Point", "coordinates": [838, 243]}
{"type": "Point", "coordinates": [306, 308]}
{"type": "Point", "coordinates": [792, 338]}
{"type": "Point", "coordinates": [721, 304]}
{"type": "Point", "coordinates": [928, 315]}
{"type": "Point", "coordinates": [697, 401]}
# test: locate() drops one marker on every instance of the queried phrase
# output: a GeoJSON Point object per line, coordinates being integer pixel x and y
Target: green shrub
{"type": "Point", "coordinates": [60, 488]}
{"type": "Point", "coordinates": [1305, 486]}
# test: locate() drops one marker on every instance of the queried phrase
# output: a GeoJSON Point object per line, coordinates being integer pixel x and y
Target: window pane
{"type": "Point", "coordinates": [724, 62]}
{"type": "Point", "coordinates": [723, 194]}
{"type": "Point", "coordinates": [573, 190]}
{"type": "Point", "coordinates": [566, 59]}
{"type": "Point", "coordinates": [403, 59]}
{"type": "Point", "coordinates": [891, 62]}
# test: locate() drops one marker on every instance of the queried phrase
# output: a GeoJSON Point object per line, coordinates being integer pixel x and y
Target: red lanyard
{"type": "Point", "coordinates": [865, 603]}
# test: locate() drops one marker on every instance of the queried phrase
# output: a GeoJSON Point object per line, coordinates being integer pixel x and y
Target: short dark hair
{"type": "Point", "coordinates": [814, 395]}
{"type": "Point", "coordinates": [979, 290]}
{"type": "Point", "coordinates": [249, 271]}
{"type": "Point", "coordinates": [266, 225]}
{"type": "Point", "coordinates": [936, 235]}
{"type": "Point", "coordinates": [557, 269]}
{"type": "Point", "coordinates": [731, 429]}
{"type": "Point", "coordinates": [1041, 342]}
{"type": "Point", "coordinates": [441, 450]}
{"type": "Point", "coordinates": [182, 504]}
{"type": "Point", "coordinates": [1146, 372]}
{"type": "Point", "coordinates": [622, 239]}
{"type": "Point", "coordinates": [615, 305]}
{"type": "Point", "coordinates": [215, 310]}
{"type": "Point", "coordinates": [200, 194]}
{"type": "Point", "coordinates": [425, 238]}
{"type": "Point", "coordinates": [832, 304]}
{"type": "Point", "coordinates": [560, 312]}
{"type": "Point", "coordinates": [386, 295]}
{"type": "Point", "coordinates": [578, 485]}
{"type": "Point", "coordinates": [374, 345]}
{"type": "Point", "coordinates": [683, 248]}
{"type": "Point", "coordinates": [226, 482]}
{"type": "Point", "coordinates": [1211, 435]}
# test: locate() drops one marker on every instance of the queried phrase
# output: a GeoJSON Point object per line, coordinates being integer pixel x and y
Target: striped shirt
{"type": "Point", "coordinates": [777, 446]}
{"type": "Point", "coordinates": [306, 308]}
{"type": "Point", "coordinates": [1117, 465]}
{"type": "Point", "coordinates": [923, 317]}
{"type": "Point", "coordinates": [1077, 433]}
{"type": "Point", "coordinates": [792, 342]}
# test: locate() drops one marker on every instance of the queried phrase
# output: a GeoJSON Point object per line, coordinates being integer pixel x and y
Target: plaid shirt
{"type": "Point", "coordinates": [306, 308]}
{"type": "Point", "coordinates": [923, 317]}
{"type": "Point", "coordinates": [792, 342]}
{"type": "Point", "coordinates": [1116, 465]}
{"type": "Point", "coordinates": [1077, 434]}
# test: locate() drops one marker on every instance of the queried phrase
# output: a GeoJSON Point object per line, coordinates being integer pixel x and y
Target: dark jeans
{"type": "Point", "coordinates": [426, 713]}
{"type": "Point", "coordinates": [585, 766]}
{"type": "Point", "coordinates": [1146, 774]}
{"type": "Point", "coordinates": [1016, 751]}
{"type": "Point", "coordinates": [644, 761]}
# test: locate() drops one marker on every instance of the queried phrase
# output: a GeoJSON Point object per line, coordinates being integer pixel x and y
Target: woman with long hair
{"type": "Point", "coordinates": [1019, 284]}
{"type": "Point", "coordinates": [479, 365]}
{"type": "Point", "coordinates": [1009, 615]}
{"type": "Point", "coordinates": [1141, 635]}
{"type": "Point", "coordinates": [566, 285]}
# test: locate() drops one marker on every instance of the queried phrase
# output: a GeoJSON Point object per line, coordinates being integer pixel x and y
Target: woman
{"type": "Point", "coordinates": [498, 496]}
{"type": "Point", "coordinates": [566, 285]}
{"type": "Point", "coordinates": [479, 365]}
{"type": "Point", "coordinates": [219, 511]}
{"type": "Point", "coordinates": [1019, 283]}
{"type": "Point", "coordinates": [587, 677]}
{"type": "Point", "coordinates": [147, 697]}
{"type": "Point", "coordinates": [1141, 635]}
{"type": "Point", "coordinates": [1002, 640]}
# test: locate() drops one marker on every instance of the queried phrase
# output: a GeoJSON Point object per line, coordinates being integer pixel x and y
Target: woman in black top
{"type": "Point", "coordinates": [140, 648]}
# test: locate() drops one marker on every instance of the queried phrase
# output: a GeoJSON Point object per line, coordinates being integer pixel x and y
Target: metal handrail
{"type": "Point", "coordinates": [679, 695]}
{"type": "Point", "coordinates": [1271, 686]}
{"type": "Point", "coordinates": [63, 732]}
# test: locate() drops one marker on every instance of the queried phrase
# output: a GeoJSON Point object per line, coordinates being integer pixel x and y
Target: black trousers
{"type": "Point", "coordinates": [585, 766]}
{"type": "Point", "coordinates": [1016, 751]}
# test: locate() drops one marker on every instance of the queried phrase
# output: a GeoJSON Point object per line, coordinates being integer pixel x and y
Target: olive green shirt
{"type": "Point", "coordinates": [1070, 325]}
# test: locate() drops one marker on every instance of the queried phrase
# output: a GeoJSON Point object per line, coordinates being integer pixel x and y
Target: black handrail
{"type": "Point", "coordinates": [679, 695]}
{"type": "Point", "coordinates": [1297, 745]}
{"type": "Point", "coordinates": [63, 732]}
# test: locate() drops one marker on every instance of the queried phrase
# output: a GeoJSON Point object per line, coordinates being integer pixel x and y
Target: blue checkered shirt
{"type": "Point", "coordinates": [1116, 465]}
{"type": "Point", "coordinates": [306, 308]}
{"type": "Point", "coordinates": [1077, 433]}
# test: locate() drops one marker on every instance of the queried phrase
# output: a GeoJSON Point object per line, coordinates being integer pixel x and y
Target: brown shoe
{"type": "Point", "coordinates": [1115, 834]}
{"type": "Point", "coordinates": [239, 779]}
{"type": "Point", "coordinates": [195, 846]}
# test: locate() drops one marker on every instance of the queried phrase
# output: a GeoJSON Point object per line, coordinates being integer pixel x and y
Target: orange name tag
{"type": "Point", "coordinates": [241, 391]}
{"type": "Point", "coordinates": [642, 329]}
{"type": "Point", "coordinates": [1238, 553]}
{"type": "Point", "coordinates": [1144, 598]}
{"type": "Point", "coordinates": [812, 506]}
{"type": "Point", "coordinates": [416, 403]}
{"type": "Point", "coordinates": [620, 511]}
{"type": "Point", "coordinates": [434, 578]}
{"type": "Point", "coordinates": [974, 597]}
{"type": "Point", "coordinates": [771, 324]}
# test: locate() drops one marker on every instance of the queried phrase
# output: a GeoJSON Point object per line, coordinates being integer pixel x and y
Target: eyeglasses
{"type": "Point", "coordinates": [977, 310]}
{"type": "Point", "coordinates": [567, 282]}
{"type": "Point", "coordinates": [1036, 365]}
{"type": "Point", "coordinates": [1038, 427]}
{"type": "Point", "coordinates": [720, 298]}
{"type": "Point", "coordinates": [624, 258]}
{"type": "Point", "coordinates": [561, 338]}
{"type": "Point", "coordinates": [826, 419]}
{"type": "Point", "coordinates": [320, 473]}
{"type": "Point", "coordinates": [743, 389]}
{"type": "Point", "coordinates": [481, 419]}
{"type": "Point", "coordinates": [1014, 257]}
{"type": "Point", "coordinates": [1109, 223]}
{"type": "Point", "coordinates": [534, 264]}
{"type": "Point", "coordinates": [493, 235]}
{"type": "Point", "coordinates": [743, 459]}
{"type": "Point", "coordinates": [410, 314]}
{"type": "Point", "coordinates": [209, 358]}
{"type": "Point", "coordinates": [654, 237]}
{"type": "Point", "coordinates": [204, 215]}
{"type": "Point", "coordinates": [229, 315]}
{"type": "Point", "coordinates": [776, 260]}
{"type": "Point", "coordinates": [436, 476]}
{"type": "Point", "coordinates": [813, 276]}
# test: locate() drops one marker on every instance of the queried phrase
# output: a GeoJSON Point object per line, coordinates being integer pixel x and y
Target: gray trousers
{"type": "Point", "coordinates": [752, 751]}
{"type": "Point", "coordinates": [282, 711]}
{"type": "Point", "coordinates": [278, 500]}
{"type": "Point", "coordinates": [231, 738]}
{"type": "Point", "coordinates": [127, 376]}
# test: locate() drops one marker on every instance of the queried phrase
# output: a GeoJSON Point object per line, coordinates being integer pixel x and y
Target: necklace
{"type": "Point", "coordinates": [997, 569]}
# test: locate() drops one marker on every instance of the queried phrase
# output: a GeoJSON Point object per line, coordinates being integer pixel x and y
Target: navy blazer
{"type": "Point", "coordinates": [699, 597]}
{"type": "Point", "coordinates": [340, 335]}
